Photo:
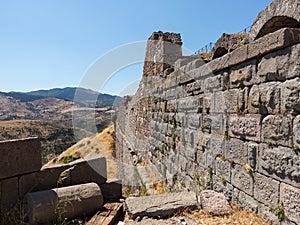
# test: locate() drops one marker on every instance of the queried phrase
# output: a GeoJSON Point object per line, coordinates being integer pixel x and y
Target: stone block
{"type": "Point", "coordinates": [242, 75]}
{"type": "Point", "coordinates": [242, 179]}
{"type": "Point", "coordinates": [89, 170]}
{"type": "Point", "coordinates": [218, 123]}
{"type": "Point", "coordinates": [223, 169]}
{"type": "Point", "coordinates": [230, 102]}
{"type": "Point", "coordinates": [266, 190]}
{"type": "Point", "coordinates": [194, 88]}
{"type": "Point", "coordinates": [20, 157]}
{"type": "Point", "coordinates": [277, 130]}
{"type": "Point", "coordinates": [194, 120]}
{"type": "Point", "coordinates": [160, 205]}
{"type": "Point", "coordinates": [274, 41]}
{"type": "Point", "coordinates": [238, 55]}
{"type": "Point", "coordinates": [245, 126]}
{"type": "Point", "coordinates": [48, 177]}
{"type": "Point", "coordinates": [294, 63]}
{"type": "Point", "coordinates": [190, 104]}
{"type": "Point", "coordinates": [9, 194]}
{"type": "Point", "coordinates": [265, 213]}
{"type": "Point", "coordinates": [290, 91]}
{"type": "Point", "coordinates": [254, 100]}
{"type": "Point", "coordinates": [196, 63]}
{"type": "Point", "coordinates": [252, 155]}
{"type": "Point", "coordinates": [269, 94]}
{"type": "Point", "coordinates": [296, 131]}
{"type": "Point", "coordinates": [226, 189]}
{"type": "Point", "coordinates": [219, 63]}
{"type": "Point", "coordinates": [206, 124]}
{"type": "Point", "coordinates": [218, 102]}
{"type": "Point", "coordinates": [216, 145]}
{"type": "Point", "coordinates": [183, 61]}
{"type": "Point", "coordinates": [214, 203]}
{"type": "Point", "coordinates": [216, 83]}
{"type": "Point", "coordinates": [290, 197]}
{"type": "Point", "coordinates": [245, 201]}
{"type": "Point", "coordinates": [280, 163]}
{"type": "Point", "coordinates": [236, 151]}
{"type": "Point", "coordinates": [273, 67]}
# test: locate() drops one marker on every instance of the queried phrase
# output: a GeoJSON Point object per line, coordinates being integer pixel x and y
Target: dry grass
{"type": "Point", "coordinates": [100, 145]}
{"type": "Point", "coordinates": [238, 217]}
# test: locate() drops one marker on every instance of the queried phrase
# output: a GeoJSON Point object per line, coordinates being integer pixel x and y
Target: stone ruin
{"type": "Point", "coordinates": [72, 190]}
{"type": "Point", "coordinates": [230, 123]}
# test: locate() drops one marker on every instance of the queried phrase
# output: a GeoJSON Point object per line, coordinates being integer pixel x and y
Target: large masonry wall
{"type": "Point", "coordinates": [231, 124]}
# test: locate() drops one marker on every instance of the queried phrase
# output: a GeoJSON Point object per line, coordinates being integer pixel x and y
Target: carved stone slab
{"type": "Point", "coordinates": [245, 126]}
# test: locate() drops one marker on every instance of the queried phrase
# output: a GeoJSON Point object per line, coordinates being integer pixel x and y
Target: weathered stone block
{"type": "Point", "coordinates": [223, 169]}
{"type": "Point", "coordinates": [269, 94]}
{"type": "Point", "coordinates": [218, 123]}
{"type": "Point", "coordinates": [290, 197]}
{"type": "Point", "coordinates": [20, 157]}
{"type": "Point", "coordinates": [265, 213]}
{"type": "Point", "coordinates": [277, 130]}
{"type": "Point", "coordinates": [231, 100]}
{"type": "Point", "coordinates": [183, 61]}
{"type": "Point", "coordinates": [241, 75]}
{"type": "Point", "coordinates": [238, 55]}
{"type": "Point", "coordinates": [48, 177]}
{"type": "Point", "coordinates": [252, 155]}
{"type": "Point", "coordinates": [214, 203]}
{"type": "Point", "coordinates": [273, 41]}
{"type": "Point", "coordinates": [216, 146]}
{"type": "Point", "coordinates": [236, 151]}
{"type": "Point", "coordinates": [160, 205]}
{"type": "Point", "coordinates": [9, 194]}
{"type": "Point", "coordinates": [242, 179]}
{"type": "Point", "coordinates": [281, 163]}
{"type": "Point", "coordinates": [273, 66]}
{"type": "Point", "coordinates": [226, 189]}
{"type": "Point", "coordinates": [194, 120]}
{"type": "Point", "coordinates": [194, 64]}
{"type": "Point", "coordinates": [216, 83]}
{"type": "Point", "coordinates": [195, 88]}
{"type": "Point", "coordinates": [254, 100]}
{"type": "Point", "coordinates": [290, 92]}
{"type": "Point", "coordinates": [207, 103]}
{"type": "Point", "coordinates": [296, 131]}
{"type": "Point", "coordinates": [190, 104]}
{"type": "Point", "coordinates": [247, 202]}
{"type": "Point", "coordinates": [218, 102]}
{"type": "Point", "coordinates": [245, 126]}
{"type": "Point", "coordinates": [294, 63]}
{"type": "Point", "coordinates": [266, 190]}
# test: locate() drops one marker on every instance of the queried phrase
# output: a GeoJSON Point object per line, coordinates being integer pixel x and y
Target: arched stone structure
{"type": "Point", "coordinates": [227, 43]}
{"type": "Point", "coordinates": [277, 15]}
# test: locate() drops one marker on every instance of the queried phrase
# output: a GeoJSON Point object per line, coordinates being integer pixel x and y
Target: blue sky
{"type": "Point", "coordinates": [53, 43]}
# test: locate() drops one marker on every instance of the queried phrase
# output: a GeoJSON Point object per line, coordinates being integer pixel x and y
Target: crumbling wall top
{"type": "Point", "coordinates": [174, 38]}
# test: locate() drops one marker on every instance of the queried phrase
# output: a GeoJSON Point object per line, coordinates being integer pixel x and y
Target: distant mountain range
{"type": "Point", "coordinates": [83, 96]}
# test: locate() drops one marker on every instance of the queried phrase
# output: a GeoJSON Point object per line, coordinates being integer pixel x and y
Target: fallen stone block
{"type": "Point", "coordinates": [215, 203]}
{"type": "Point", "coordinates": [160, 205]}
{"type": "Point", "coordinates": [67, 202]}
{"type": "Point", "coordinates": [88, 170]}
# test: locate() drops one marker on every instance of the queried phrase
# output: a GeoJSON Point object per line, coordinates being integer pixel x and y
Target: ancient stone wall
{"type": "Point", "coordinates": [230, 124]}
